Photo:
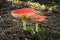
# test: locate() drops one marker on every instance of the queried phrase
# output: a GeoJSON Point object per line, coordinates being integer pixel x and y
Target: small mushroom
{"type": "Point", "coordinates": [37, 19]}
{"type": "Point", "coordinates": [23, 14]}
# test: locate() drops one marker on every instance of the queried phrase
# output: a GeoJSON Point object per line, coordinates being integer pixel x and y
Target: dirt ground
{"type": "Point", "coordinates": [10, 28]}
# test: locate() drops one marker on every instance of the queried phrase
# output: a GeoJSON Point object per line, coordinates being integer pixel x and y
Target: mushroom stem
{"type": "Point", "coordinates": [36, 26]}
{"type": "Point", "coordinates": [24, 24]}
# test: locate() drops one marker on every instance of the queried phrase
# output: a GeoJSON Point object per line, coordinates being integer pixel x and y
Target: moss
{"type": "Point", "coordinates": [40, 31]}
{"type": "Point", "coordinates": [28, 28]}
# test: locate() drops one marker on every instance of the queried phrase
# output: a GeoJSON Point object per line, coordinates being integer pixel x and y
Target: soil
{"type": "Point", "coordinates": [10, 27]}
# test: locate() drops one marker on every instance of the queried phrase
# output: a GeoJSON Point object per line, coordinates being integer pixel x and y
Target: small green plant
{"type": "Point", "coordinates": [37, 6]}
{"type": "Point", "coordinates": [40, 30]}
{"type": "Point", "coordinates": [29, 28]}
{"type": "Point", "coordinates": [16, 2]}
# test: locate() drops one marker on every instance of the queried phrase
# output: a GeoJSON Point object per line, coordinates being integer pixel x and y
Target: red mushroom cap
{"type": "Point", "coordinates": [37, 18]}
{"type": "Point", "coordinates": [24, 12]}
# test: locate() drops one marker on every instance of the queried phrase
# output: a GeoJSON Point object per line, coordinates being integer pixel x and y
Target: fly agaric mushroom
{"type": "Point", "coordinates": [37, 19]}
{"type": "Point", "coordinates": [23, 13]}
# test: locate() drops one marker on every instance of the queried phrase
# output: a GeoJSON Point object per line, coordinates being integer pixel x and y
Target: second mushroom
{"type": "Point", "coordinates": [37, 19]}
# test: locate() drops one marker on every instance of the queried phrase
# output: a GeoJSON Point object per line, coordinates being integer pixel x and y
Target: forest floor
{"type": "Point", "coordinates": [10, 27]}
